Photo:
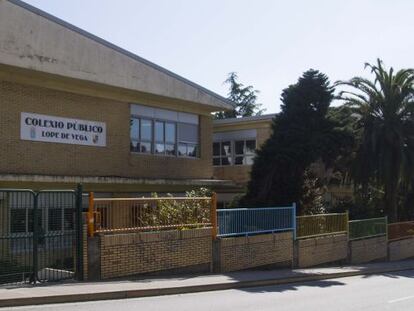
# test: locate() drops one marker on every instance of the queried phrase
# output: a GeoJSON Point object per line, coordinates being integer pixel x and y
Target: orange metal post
{"type": "Point", "coordinates": [213, 215]}
{"type": "Point", "coordinates": [91, 220]}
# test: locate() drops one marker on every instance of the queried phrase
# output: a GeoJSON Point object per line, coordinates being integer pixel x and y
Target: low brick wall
{"type": "Point", "coordinates": [138, 253]}
{"type": "Point", "coordinates": [319, 250]}
{"type": "Point", "coordinates": [401, 249]}
{"type": "Point", "coordinates": [241, 253]}
{"type": "Point", "coordinates": [366, 250]}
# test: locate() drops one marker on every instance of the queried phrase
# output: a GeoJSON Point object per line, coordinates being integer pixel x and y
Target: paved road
{"type": "Point", "coordinates": [393, 291]}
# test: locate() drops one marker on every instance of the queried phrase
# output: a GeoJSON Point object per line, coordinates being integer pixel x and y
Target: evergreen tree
{"type": "Point", "coordinates": [243, 97]}
{"type": "Point", "coordinates": [302, 133]}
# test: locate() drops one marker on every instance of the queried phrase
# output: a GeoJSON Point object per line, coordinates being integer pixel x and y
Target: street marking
{"type": "Point", "coordinates": [401, 299]}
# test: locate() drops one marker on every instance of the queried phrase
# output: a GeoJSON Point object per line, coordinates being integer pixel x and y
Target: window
{"type": "Point", "coordinates": [170, 138]}
{"type": "Point", "coordinates": [164, 137]}
{"type": "Point", "coordinates": [55, 219]}
{"type": "Point", "coordinates": [187, 140]}
{"type": "Point", "coordinates": [145, 143]}
{"type": "Point", "coordinates": [134, 134]}
{"type": "Point", "coordinates": [21, 220]}
{"type": "Point", "coordinates": [216, 154]}
{"type": "Point", "coordinates": [239, 152]}
{"type": "Point", "coordinates": [141, 135]}
{"type": "Point", "coordinates": [244, 152]}
{"type": "Point", "coordinates": [18, 220]}
{"type": "Point", "coordinates": [222, 153]}
{"type": "Point", "coordinates": [68, 219]}
{"type": "Point", "coordinates": [49, 219]}
{"type": "Point", "coordinates": [225, 151]}
{"type": "Point", "coordinates": [159, 138]}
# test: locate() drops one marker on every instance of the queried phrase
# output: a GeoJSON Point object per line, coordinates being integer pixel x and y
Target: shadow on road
{"type": "Point", "coordinates": [394, 275]}
{"type": "Point", "coordinates": [292, 287]}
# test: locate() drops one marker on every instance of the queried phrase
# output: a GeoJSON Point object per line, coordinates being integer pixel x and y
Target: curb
{"type": "Point", "coordinates": [123, 294]}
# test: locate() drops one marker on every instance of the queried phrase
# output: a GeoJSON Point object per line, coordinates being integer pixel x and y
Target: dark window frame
{"type": "Point", "coordinates": [233, 154]}
{"type": "Point", "coordinates": [177, 143]}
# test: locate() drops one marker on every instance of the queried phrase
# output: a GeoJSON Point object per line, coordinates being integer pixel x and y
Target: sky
{"type": "Point", "coordinates": [268, 43]}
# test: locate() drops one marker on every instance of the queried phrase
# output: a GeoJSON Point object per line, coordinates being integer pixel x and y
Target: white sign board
{"type": "Point", "coordinates": [38, 127]}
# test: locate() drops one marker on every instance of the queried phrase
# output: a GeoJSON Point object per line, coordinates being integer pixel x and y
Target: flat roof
{"type": "Point", "coordinates": [263, 117]}
{"type": "Point", "coordinates": [225, 103]}
{"type": "Point", "coordinates": [114, 180]}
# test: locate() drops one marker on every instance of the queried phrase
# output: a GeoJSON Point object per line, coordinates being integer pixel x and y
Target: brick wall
{"type": "Point", "coordinates": [240, 253]}
{"type": "Point", "coordinates": [138, 253]}
{"type": "Point", "coordinates": [401, 249]}
{"type": "Point", "coordinates": [28, 157]}
{"type": "Point", "coordinates": [320, 250]}
{"type": "Point", "coordinates": [240, 174]}
{"type": "Point", "coordinates": [366, 250]}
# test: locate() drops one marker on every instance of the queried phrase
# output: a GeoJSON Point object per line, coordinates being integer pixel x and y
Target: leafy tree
{"type": "Point", "coordinates": [302, 133]}
{"type": "Point", "coordinates": [313, 189]}
{"type": "Point", "coordinates": [243, 97]}
{"type": "Point", "coordinates": [384, 108]}
{"type": "Point", "coordinates": [363, 204]}
{"type": "Point", "coordinates": [338, 174]}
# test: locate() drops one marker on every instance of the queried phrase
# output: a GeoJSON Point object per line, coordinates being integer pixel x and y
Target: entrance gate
{"type": "Point", "coordinates": [40, 236]}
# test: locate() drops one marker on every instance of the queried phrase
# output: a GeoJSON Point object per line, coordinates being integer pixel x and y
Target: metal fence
{"type": "Point", "coordinates": [16, 236]}
{"type": "Point", "coordinates": [40, 236]}
{"type": "Point", "coordinates": [366, 228]}
{"type": "Point", "coordinates": [322, 224]}
{"type": "Point", "coordinates": [246, 221]}
{"type": "Point", "coordinates": [147, 214]}
{"type": "Point", "coordinates": [401, 230]}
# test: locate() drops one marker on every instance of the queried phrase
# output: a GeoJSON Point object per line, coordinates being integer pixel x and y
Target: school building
{"type": "Point", "coordinates": [77, 109]}
{"type": "Point", "coordinates": [234, 144]}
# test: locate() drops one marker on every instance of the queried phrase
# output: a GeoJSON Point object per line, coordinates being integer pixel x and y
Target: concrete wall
{"type": "Point", "coordinates": [28, 157]}
{"type": "Point", "coordinates": [401, 249]}
{"type": "Point", "coordinates": [320, 250]}
{"type": "Point", "coordinates": [366, 250]}
{"type": "Point", "coordinates": [240, 253]}
{"type": "Point", "coordinates": [138, 253]}
{"type": "Point", "coordinates": [38, 42]}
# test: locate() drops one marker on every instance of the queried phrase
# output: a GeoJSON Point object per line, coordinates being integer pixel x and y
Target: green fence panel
{"type": "Point", "coordinates": [365, 228]}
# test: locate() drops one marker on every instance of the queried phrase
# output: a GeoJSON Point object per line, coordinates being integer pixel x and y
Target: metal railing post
{"type": "Point", "coordinates": [347, 224]}
{"type": "Point", "coordinates": [91, 220]}
{"type": "Point", "coordinates": [213, 215]}
{"type": "Point", "coordinates": [79, 233]}
{"type": "Point", "coordinates": [294, 220]}
{"type": "Point", "coordinates": [386, 227]}
{"type": "Point", "coordinates": [35, 237]}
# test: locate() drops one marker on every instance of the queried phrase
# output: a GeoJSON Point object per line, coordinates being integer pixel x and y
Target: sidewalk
{"type": "Point", "coordinates": [76, 292]}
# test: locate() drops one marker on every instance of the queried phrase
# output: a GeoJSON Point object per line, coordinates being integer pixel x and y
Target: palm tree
{"type": "Point", "coordinates": [384, 108]}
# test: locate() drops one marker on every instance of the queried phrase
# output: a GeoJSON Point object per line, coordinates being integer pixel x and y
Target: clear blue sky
{"type": "Point", "coordinates": [269, 43]}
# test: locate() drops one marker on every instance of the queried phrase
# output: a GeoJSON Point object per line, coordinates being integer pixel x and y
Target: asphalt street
{"type": "Point", "coordinates": [391, 291]}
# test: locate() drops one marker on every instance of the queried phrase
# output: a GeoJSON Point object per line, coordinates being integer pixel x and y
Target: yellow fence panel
{"type": "Point", "coordinates": [149, 214]}
{"type": "Point", "coordinates": [321, 224]}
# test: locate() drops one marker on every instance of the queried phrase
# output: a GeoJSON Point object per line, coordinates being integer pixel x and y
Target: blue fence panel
{"type": "Point", "coordinates": [245, 221]}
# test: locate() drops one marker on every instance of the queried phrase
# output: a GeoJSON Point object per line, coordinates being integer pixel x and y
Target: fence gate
{"type": "Point", "coordinates": [40, 236]}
